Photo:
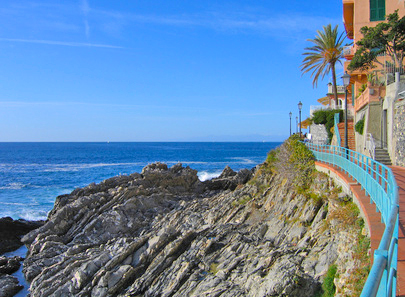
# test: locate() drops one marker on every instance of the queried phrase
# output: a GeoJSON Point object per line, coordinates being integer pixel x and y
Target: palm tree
{"type": "Point", "coordinates": [322, 57]}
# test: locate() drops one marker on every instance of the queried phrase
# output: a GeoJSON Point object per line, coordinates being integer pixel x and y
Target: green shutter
{"type": "Point", "coordinates": [377, 10]}
{"type": "Point", "coordinates": [373, 10]}
{"type": "Point", "coordinates": [381, 10]}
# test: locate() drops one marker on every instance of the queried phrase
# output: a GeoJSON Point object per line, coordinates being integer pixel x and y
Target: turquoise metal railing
{"type": "Point", "coordinates": [337, 129]}
{"type": "Point", "coordinates": [379, 183]}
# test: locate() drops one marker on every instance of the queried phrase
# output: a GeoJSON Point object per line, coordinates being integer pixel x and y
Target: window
{"type": "Point", "coordinates": [377, 10]}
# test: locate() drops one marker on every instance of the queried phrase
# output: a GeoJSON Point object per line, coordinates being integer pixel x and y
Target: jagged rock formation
{"type": "Point", "coordinates": [11, 232]}
{"type": "Point", "coordinates": [8, 284]}
{"type": "Point", "coordinates": [164, 233]}
{"type": "Point", "coordinates": [10, 240]}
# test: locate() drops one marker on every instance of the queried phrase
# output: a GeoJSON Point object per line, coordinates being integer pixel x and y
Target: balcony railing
{"type": "Point", "coordinates": [379, 183]}
{"type": "Point", "coordinates": [340, 89]}
{"type": "Point", "coordinates": [370, 94]}
{"type": "Point", "coordinates": [348, 52]}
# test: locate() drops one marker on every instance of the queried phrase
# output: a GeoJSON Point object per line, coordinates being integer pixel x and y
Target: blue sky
{"type": "Point", "coordinates": [146, 70]}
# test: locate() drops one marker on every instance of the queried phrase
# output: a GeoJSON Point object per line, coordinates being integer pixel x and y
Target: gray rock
{"type": "Point", "coordinates": [9, 265]}
{"type": "Point", "coordinates": [9, 285]}
{"type": "Point", "coordinates": [165, 233]}
{"type": "Point", "coordinates": [12, 230]}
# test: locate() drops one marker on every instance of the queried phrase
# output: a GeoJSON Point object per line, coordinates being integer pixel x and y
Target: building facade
{"type": "Point", "coordinates": [374, 92]}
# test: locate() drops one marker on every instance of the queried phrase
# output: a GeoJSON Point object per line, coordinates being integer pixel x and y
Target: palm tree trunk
{"type": "Point", "coordinates": [334, 84]}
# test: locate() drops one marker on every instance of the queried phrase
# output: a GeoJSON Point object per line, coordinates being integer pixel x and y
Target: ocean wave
{"type": "Point", "coordinates": [13, 203]}
{"type": "Point", "coordinates": [205, 175]}
{"type": "Point", "coordinates": [32, 215]}
{"type": "Point", "coordinates": [26, 214]}
{"type": "Point", "coordinates": [243, 160]}
{"type": "Point", "coordinates": [14, 186]}
{"type": "Point", "coordinates": [72, 167]}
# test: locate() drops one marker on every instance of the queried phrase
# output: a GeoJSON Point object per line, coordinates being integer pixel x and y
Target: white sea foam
{"type": "Point", "coordinates": [13, 203]}
{"type": "Point", "coordinates": [204, 175]}
{"type": "Point", "coordinates": [14, 186]}
{"type": "Point", "coordinates": [33, 215]}
{"type": "Point", "coordinates": [244, 160]}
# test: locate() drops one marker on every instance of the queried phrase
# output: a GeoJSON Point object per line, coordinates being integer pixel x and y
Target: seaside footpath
{"type": "Point", "coordinates": [281, 228]}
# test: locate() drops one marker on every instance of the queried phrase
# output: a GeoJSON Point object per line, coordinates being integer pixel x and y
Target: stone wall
{"type": "Point", "coordinates": [399, 134]}
{"type": "Point", "coordinates": [319, 134]}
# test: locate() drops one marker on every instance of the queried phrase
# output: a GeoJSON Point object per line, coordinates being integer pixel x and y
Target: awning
{"type": "Point", "coordinates": [305, 124]}
{"type": "Point", "coordinates": [324, 100]}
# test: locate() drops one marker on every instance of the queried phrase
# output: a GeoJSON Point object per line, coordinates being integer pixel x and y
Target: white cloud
{"type": "Point", "coordinates": [62, 43]}
{"type": "Point", "coordinates": [85, 7]}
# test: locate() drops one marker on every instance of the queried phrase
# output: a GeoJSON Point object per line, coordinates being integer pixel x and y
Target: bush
{"type": "Point", "coordinates": [327, 118]}
{"type": "Point", "coordinates": [359, 127]}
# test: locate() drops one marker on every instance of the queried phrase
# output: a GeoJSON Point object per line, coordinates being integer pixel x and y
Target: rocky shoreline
{"type": "Point", "coordinates": [163, 232]}
{"type": "Point", "coordinates": [11, 232]}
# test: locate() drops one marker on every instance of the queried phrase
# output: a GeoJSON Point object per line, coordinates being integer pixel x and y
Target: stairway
{"type": "Point", "coordinates": [350, 134]}
{"type": "Point", "coordinates": [382, 156]}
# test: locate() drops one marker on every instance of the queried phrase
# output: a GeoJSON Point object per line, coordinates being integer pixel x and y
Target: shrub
{"type": "Point", "coordinates": [359, 127]}
{"type": "Point", "coordinates": [327, 118]}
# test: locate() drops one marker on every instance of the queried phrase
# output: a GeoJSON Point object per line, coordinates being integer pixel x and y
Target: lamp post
{"type": "Point", "coordinates": [290, 121]}
{"type": "Point", "coordinates": [346, 82]}
{"type": "Point", "coordinates": [299, 109]}
{"type": "Point", "coordinates": [296, 127]}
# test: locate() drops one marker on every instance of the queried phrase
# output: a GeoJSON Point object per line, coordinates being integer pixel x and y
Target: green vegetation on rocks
{"type": "Point", "coordinates": [328, 285]}
{"type": "Point", "coordinates": [293, 161]}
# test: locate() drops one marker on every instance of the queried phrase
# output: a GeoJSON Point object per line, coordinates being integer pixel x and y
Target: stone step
{"type": "Point", "coordinates": [350, 134]}
{"type": "Point", "coordinates": [382, 156]}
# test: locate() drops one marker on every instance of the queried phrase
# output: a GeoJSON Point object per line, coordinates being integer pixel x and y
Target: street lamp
{"type": "Point", "coordinates": [290, 121]}
{"type": "Point", "coordinates": [346, 82]}
{"type": "Point", "coordinates": [299, 108]}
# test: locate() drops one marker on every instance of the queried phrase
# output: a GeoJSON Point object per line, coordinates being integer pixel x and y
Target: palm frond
{"type": "Point", "coordinates": [326, 51]}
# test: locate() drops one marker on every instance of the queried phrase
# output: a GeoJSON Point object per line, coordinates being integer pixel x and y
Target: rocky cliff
{"type": "Point", "coordinates": [164, 233]}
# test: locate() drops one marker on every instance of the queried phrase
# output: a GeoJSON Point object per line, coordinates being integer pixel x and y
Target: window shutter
{"type": "Point", "coordinates": [381, 10]}
{"type": "Point", "coordinates": [373, 10]}
{"type": "Point", "coordinates": [377, 10]}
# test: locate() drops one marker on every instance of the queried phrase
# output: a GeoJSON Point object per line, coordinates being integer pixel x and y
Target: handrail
{"type": "Point", "coordinates": [379, 183]}
{"type": "Point", "coordinates": [370, 145]}
{"type": "Point", "coordinates": [337, 129]}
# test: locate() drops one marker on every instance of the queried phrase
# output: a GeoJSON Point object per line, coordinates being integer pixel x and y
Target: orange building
{"type": "Point", "coordinates": [360, 13]}
{"type": "Point", "coordinates": [368, 88]}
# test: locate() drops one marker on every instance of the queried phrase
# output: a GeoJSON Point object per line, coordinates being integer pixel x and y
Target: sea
{"type": "Point", "coordinates": [32, 175]}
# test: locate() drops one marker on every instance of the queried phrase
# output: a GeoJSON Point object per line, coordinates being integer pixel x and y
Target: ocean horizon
{"type": "Point", "coordinates": [33, 174]}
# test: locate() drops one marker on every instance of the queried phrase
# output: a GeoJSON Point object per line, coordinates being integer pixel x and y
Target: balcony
{"type": "Point", "coordinates": [340, 89]}
{"type": "Point", "coordinates": [370, 94]}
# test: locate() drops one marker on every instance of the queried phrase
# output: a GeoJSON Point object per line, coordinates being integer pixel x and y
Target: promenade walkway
{"type": "Point", "coordinates": [399, 173]}
{"type": "Point", "coordinates": [374, 219]}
